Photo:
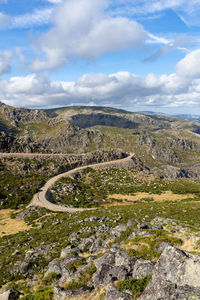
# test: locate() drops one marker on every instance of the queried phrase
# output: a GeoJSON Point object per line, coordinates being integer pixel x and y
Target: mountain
{"type": "Point", "coordinates": [189, 117]}
{"type": "Point", "coordinates": [158, 140]}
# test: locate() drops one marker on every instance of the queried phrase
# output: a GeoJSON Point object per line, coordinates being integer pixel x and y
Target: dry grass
{"type": "Point", "coordinates": [8, 225]}
{"type": "Point", "coordinates": [190, 243]}
{"type": "Point", "coordinates": [140, 196]}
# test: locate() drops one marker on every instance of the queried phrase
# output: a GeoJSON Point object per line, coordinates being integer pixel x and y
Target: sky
{"type": "Point", "coordinates": [139, 55]}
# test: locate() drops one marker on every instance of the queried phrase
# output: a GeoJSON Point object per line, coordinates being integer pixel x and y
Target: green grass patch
{"type": "Point", "coordinates": [136, 286]}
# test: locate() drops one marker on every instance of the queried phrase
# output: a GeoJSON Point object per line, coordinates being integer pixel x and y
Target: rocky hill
{"type": "Point", "coordinates": [158, 140]}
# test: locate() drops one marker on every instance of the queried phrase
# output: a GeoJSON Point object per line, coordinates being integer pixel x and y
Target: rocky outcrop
{"type": "Point", "coordinates": [175, 276]}
{"type": "Point", "coordinates": [167, 149]}
{"type": "Point", "coordinates": [23, 115]}
{"type": "Point", "coordinates": [56, 164]}
{"type": "Point", "coordinates": [175, 172]}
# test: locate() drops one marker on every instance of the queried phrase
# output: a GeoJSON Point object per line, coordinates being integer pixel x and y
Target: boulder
{"type": "Point", "coordinates": [69, 249]}
{"type": "Point", "coordinates": [175, 276]}
{"type": "Point", "coordinates": [107, 258]}
{"type": "Point", "coordinates": [10, 295]}
{"type": "Point", "coordinates": [114, 294]}
{"type": "Point", "coordinates": [122, 259]}
{"type": "Point", "coordinates": [53, 267]}
{"type": "Point", "coordinates": [142, 268]}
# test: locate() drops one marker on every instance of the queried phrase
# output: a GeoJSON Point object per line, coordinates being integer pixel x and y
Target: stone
{"type": "Point", "coordinates": [66, 251]}
{"type": "Point", "coordinates": [145, 225]}
{"type": "Point", "coordinates": [107, 258]}
{"type": "Point", "coordinates": [66, 272]}
{"type": "Point", "coordinates": [100, 275]}
{"type": "Point", "coordinates": [175, 276]}
{"type": "Point", "coordinates": [60, 293]}
{"type": "Point", "coordinates": [86, 244]}
{"type": "Point", "coordinates": [116, 273]}
{"type": "Point", "coordinates": [53, 267]}
{"type": "Point", "coordinates": [10, 295]}
{"type": "Point", "coordinates": [116, 231]}
{"type": "Point", "coordinates": [122, 259]}
{"type": "Point", "coordinates": [114, 294]}
{"type": "Point", "coordinates": [142, 268]}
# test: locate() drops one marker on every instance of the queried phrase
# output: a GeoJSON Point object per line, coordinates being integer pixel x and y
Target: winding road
{"type": "Point", "coordinates": [43, 196]}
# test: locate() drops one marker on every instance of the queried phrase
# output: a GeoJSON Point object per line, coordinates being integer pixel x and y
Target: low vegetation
{"type": "Point", "coordinates": [136, 286]}
{"type": "Point", "coordinates": [93, 188]}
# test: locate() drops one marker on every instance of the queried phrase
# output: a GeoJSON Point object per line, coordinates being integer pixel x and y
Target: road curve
{"type": "Point", "coordinates": [41, 198]}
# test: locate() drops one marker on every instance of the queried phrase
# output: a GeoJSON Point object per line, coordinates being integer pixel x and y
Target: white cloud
{"type": "Point", "coordinates": [36, 18]}
{"type": "Point", "coordinates": [4, 20]}
{"type": "Point", "coordinates": [188, 11]}
{"type": "Point", "coordinates": [5, 59]}
{"type": "Point", "coordinates": [54, 1]}
{"type": "Point", "coordinates": [119, 89]}
{"type": "Point", "coordinates": [82, 29]}
{"type": "Point", "coordinates": [123, 89]}
{"type": "Point", "coordinates": [189, 66]}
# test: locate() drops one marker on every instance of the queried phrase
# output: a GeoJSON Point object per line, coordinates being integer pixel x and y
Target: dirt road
{"type": "Point", "coordinates": [43, 196]}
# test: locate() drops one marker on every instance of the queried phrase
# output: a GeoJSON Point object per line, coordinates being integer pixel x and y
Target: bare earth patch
{"type": "Point", "coordinates": [141, 196]}
{"type": "Point", "coordinates": [8, 225]}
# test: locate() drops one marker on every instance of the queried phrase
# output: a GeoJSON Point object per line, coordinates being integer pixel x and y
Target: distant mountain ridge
{"type": "Point", "coordinates": [189, 117]}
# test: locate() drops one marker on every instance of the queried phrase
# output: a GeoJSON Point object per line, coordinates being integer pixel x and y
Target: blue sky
{"type": "Point", "coordinates": [137, 55]}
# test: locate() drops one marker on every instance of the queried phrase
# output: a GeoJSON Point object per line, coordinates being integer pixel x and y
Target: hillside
{"type": "Point", "coordinates": [158, 140]}
{"type": "Point", "coordinates": [129, 231]}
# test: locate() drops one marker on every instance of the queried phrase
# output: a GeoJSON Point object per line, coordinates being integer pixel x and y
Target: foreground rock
{"type": "Point", "coordinates": [175, 276]}
{"type": "Point", "coordinates": [10, 295]}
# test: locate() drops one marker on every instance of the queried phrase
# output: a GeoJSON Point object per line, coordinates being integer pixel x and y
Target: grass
{"type": "Point", "coordinates": [136, 286]}
{"type": "Point", "coordinates": [95, 188]}
{"type": "Point", "coordinates": [56, 237]}
{"type": "Point", "coordinates": [83, 279]}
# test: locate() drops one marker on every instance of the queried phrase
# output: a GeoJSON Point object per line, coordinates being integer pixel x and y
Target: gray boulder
{"type": "Point", "coordinates": [122, 259]}
{"type": "Point", "coordinates": [142, 268]}
{"type": "Point", "coordinates": [69, 249]}
{"type": "Point", "coordinates": [114, 294]}
{"type": "Point", "coordinates": [53, 267]}
{"type": "Point", "coordinates": [107, 258]}
{"type": "Point", "coordinates": [60, 293]}
{"type": "Point", "coordinates": [175, 276]}
{"type": "Point", "coordinates": [116, 231]}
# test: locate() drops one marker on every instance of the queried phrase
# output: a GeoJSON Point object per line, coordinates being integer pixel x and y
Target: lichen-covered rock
{"type": "Point", "coordinates": [122, 259]}
{"type": "Point", "coordinates": [107, 258]}
{"type": "Point", "coordinates": [175, 276]}
{"type": "Point", "coordinates": [53, 267]}
{"type": "Point", "coordinates": [114, 294]}
{"type": "Point", "coordinates": [142, 268]}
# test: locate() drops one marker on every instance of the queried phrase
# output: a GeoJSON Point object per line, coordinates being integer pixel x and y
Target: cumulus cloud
{"type": "Point", "coordinates": [189, 66]}
{"type": "Point", "coordinates": [123, 89]}
{"type": "Point", "coordinates": [5, 59]}
{"type": "Point", "coordinates": [82, 29]}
